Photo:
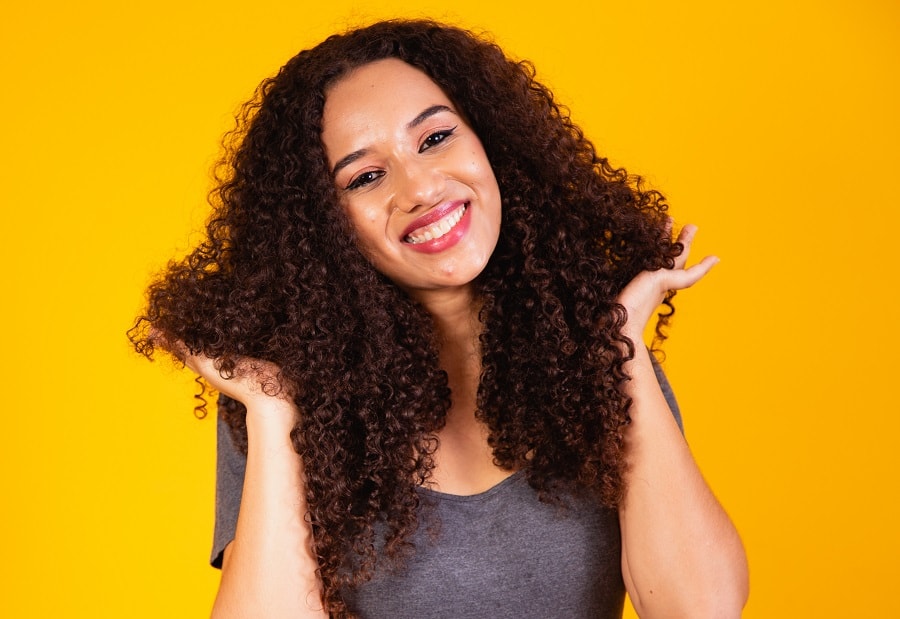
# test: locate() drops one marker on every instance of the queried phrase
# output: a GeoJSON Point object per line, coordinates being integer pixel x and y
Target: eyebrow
{"type": "Point", "coordinates": [428, 113]}
{"type": "Point", "coordinates": [343, 163]}
{"type": "Point", "coordinates": [415, 122]}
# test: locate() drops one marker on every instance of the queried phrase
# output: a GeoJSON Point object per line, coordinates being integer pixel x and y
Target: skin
{"type": "Point", "coordinates": [417, 157]}
{"type": "Point", "coordinates": [681, 556]}
{"type": "Point", "coordinates": [410, 159]}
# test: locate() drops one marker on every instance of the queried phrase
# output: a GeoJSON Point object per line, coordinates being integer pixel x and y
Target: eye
{"type": "Point", "coordinates": [436, 138]}
{"type": "Point", "coordinates": [366, 178]}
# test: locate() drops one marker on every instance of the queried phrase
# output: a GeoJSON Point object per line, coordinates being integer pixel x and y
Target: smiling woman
{"type": "Point", "coordinates": [421, 297]}
{"type": "Point", "coordinates": [413, 177]}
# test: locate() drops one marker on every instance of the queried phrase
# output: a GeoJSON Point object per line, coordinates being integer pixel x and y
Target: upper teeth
{"type": "Point", "coordinates": [438, 228]}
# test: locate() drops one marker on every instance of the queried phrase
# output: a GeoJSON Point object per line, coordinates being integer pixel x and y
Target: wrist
{"type": "Point", "coordinates": [271, 414]}
{"type": "Point", "coordinates": [635, 335]}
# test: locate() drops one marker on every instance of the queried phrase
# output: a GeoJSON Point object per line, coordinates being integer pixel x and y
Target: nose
{"type": "Point", "coordinates": [418, 184]}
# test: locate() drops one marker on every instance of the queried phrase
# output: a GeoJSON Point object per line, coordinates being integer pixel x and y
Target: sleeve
{"type": "Point", "coordinates": [230, 467]}
{"type": "Point", "coordinates": [667, 392]}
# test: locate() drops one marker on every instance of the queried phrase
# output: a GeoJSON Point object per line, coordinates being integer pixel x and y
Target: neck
{"type": "Point", "coordinates": [455, 314]}
{"type": "Point", "coordinates": [464, 460]}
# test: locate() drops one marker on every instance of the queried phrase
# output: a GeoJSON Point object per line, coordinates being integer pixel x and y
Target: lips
{"type": "Point", "coordinates": [433, 220]}
{"type": "Point", "coordinates": [440, 228]}
{"type": "Point", "coordinates": [437, 229]}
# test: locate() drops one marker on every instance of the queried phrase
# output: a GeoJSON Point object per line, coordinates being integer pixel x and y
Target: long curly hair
{"type": "Point", "coordinates": [280, 277]}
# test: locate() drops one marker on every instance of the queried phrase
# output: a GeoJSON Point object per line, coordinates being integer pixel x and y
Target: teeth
{"type": "Point", "coordinates": [438, 228]}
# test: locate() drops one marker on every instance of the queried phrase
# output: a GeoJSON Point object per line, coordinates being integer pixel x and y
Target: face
{"type": "Point", "coordinates": [412, 176]}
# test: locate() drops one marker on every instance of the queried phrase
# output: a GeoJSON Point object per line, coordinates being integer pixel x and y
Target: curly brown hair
{"type": "Point", "coordinates": [280, 277]}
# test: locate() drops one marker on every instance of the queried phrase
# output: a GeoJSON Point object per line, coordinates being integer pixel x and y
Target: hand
{"type": "Point", "coordinates": [252, 378]}
{"type": "Point", "coordinates": [648, 289]}
{"type": "Point", "coordinates": [254, 382]}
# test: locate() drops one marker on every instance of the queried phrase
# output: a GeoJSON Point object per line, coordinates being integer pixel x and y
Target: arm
{"type": "Point", "coordinates": [681, 555]}
{"type": "Point", "coordinates": [269, 570]}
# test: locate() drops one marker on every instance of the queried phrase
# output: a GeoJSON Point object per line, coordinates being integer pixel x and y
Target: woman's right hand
{"type": "Point", "coordinates": [269, 569]}
{"type": "Point", "coordinates": [253, 379]}
{"type": "Point", "coordinates": [255, 383]}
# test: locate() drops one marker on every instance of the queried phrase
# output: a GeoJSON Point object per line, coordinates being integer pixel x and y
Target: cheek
{"type": "Point", "coordinates": [478, 163]}
{"type": "Point", "coordinates": [480, 168]}
{"type": "Point", "coordinates": [362, 219]}
{"type": "Point", "coordinates": [368, 224]}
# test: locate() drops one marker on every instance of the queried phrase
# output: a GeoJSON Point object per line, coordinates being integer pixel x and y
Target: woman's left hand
{"type": "Point", "coordinates": [681, 555]}
{"type": "Point", "coordinates": [647, 290]}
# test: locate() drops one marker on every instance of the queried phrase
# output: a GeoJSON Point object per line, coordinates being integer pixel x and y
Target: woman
{"type": "Point", "coordinates": [422, 295]}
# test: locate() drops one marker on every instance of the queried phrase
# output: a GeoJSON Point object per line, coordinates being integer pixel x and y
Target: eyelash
{"type": "Point", "coordinates": [442, 134]}
{"type": "Point", "coordinates": [364, 179]}
{"type": "Point", "coordinates": [434, 139]}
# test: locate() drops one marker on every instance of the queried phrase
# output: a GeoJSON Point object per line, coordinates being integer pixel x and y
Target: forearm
{"type": "Point", "coordinates": [681, 555]}
{"type": "Point", "coordinates": [269, 570]}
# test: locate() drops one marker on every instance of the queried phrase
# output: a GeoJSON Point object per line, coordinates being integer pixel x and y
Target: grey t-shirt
{"type": "Point", "coordinates": [501, 554]}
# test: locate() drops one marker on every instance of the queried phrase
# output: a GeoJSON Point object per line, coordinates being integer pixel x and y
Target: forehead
{"type": "Point", "coordinates": [380, 92]}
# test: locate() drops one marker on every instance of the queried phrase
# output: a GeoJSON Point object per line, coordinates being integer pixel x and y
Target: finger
{"type": "Point", "coordinates": [201, 364]}
{"type": "Point", "coordinates": [685, 237]}
{"type": "Point", "coordinates": [175, 347]}
{"type": "Point", "coordinates": [679, 279]}
{"type": "Point", "coordinates": [156, 337]}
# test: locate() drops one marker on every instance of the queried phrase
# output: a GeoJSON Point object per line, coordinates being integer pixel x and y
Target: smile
{"type": "Point", "coordinates": [437, 229]}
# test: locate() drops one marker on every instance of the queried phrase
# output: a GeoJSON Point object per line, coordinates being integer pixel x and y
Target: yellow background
{"type": "Point", "coordinates": [773, 127]}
